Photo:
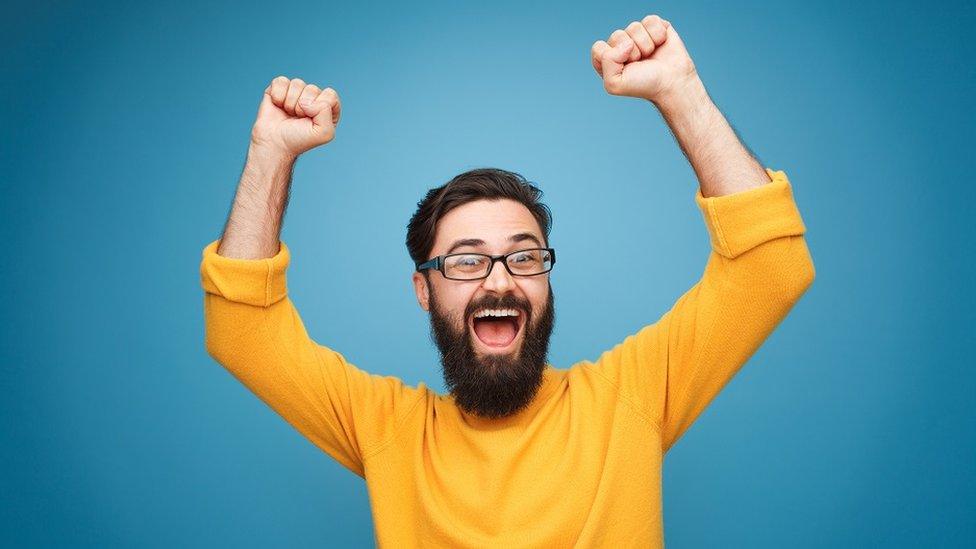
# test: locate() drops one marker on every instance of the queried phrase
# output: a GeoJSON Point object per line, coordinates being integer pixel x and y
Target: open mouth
{"type": "Point", "coordinates": [498, 332]}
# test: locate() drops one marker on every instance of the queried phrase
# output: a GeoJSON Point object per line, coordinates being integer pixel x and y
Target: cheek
{"type": "Point", "coordinates": [538, 295]}
{"type": "Point", "coordinates": [454, 302]}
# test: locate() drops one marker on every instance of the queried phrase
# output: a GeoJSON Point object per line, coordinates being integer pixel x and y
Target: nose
{"type": "Point", "coordinates": [499, 280]}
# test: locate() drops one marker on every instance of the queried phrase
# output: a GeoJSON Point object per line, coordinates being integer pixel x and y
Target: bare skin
{"type": "Point", "coordinates": [294, 117]}
{"type": "Point", "coordinates": [646, 59]}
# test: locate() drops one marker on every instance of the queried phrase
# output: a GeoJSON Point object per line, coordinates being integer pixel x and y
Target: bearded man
{"type": "Point", "coordinates": [519, 453]}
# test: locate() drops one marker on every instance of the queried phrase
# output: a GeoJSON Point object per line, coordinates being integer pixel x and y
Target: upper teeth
{"type": "Point", "coordinates": [496, 312]}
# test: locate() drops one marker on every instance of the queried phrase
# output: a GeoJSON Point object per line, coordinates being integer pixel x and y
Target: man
{"type": "Point", "coordinates": [519, 454]}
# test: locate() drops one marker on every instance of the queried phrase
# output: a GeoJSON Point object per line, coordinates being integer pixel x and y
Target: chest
{"type": "Point", "coordinates": [571, 468]}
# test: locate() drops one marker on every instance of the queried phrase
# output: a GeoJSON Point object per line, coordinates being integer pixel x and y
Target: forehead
{"type": "Point", "coordinates": [493, 221]}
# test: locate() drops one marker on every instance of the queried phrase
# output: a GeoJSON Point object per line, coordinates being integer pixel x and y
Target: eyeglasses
{"type": "Point", "coordinates": [529, 262]}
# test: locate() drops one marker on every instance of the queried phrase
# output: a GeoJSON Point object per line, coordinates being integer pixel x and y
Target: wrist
{"type": "Point", "coordinates": [266, 154]}
{"type": "Point", "coordinates": [267, 170]}
{"type": "Point", "coordinates": [683, 100]}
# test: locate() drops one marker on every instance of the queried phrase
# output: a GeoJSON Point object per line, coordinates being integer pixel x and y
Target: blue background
{"type": "Point", "coordinates": [125, 129]}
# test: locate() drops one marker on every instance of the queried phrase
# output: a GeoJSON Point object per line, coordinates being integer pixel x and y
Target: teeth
{"type": "Point", "coordinates": [496, 312]}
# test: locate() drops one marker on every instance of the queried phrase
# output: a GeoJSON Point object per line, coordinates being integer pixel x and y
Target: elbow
{"type": "Point", "coordinates": [216, 345]}
{"type": "Point", "coordinates": [227, 350]}
{"type": "Point", "coordinates": [222, 330]}
{"type": "Point", "coordinates": [210, 344]}
{"type": "Point", "coordinates": [781, 269]}
{"type": "Point", "coordinates": [806, 272]}
{"type": "Point", "coordinates": [809, 272]}
{"type": "Point", "coordinates": [799, 270]}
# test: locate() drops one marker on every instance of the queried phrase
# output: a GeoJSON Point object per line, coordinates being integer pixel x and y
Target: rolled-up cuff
{"type": "Point", "coordinates": [258, 282]}
{"type": "Point", "coordinates": [741, 221]}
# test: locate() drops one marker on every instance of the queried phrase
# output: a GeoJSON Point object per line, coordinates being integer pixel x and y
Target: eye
{"type": "Point", "coordinates": [466, 263]}
{"type": "Point", "coordinates": [523, 257]}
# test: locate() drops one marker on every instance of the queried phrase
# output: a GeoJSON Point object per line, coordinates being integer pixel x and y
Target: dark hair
{"type": "Point", "coordinates": [481, 183]}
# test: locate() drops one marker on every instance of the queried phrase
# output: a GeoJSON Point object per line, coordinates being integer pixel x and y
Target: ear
{"type": "Point", "coordinates": [423, 293]}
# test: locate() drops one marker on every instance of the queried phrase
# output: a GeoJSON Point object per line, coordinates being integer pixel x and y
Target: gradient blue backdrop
{"type": "Point", "coordinates": [124, 132]}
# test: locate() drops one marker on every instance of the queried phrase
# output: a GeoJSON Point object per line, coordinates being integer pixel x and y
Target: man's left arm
{"type": "Point", "coordinates": [648, 60]}
{"type": "Point", "coordinates": [759, 265]}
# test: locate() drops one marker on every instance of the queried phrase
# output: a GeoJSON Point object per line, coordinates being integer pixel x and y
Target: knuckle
{"type": "Point", "coordinates": [634, 26]}
{"type": "Point", "coordinates": [298, 82]}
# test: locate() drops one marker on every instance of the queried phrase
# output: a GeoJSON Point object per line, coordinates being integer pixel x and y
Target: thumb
{"type": "Point", "coordinates": [322, 112]}
{"type": "Point", "coordinates": [621, 53]}
{"type": "Point", "coordinates": [267, 107]}
{"type": "Point", "coordinates": [613, 63]}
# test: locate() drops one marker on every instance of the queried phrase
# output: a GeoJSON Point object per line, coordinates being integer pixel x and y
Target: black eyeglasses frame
{"type": "Point", "coordinates": [437, 263]}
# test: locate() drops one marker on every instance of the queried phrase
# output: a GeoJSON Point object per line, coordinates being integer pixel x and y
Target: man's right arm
{"type": "Point", "coordinates": [253, 228]}
{"type": "Point", "coordinates": [294, 117]}
{"type": "Point", "coordinates": [252, 327]}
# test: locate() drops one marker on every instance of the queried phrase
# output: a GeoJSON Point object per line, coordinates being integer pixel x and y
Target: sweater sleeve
{"type": "Point", "coordinates": [758, 268]}
{"type": "Point", "coordinates": [254, 331]}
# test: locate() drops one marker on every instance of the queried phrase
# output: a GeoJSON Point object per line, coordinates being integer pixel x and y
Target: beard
{"type": "Point", "coordinates": [493, 385]}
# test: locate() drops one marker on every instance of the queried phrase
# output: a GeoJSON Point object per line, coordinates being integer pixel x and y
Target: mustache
{"type": "Point", "coordinates": [507, 301]}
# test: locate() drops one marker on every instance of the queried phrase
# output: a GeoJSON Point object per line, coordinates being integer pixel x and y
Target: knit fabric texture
{"type": "Point", "coordinates": [581, 465]}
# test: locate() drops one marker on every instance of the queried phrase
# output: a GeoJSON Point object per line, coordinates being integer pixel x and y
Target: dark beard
{"type": "Point", "coordinates": [493, 386]}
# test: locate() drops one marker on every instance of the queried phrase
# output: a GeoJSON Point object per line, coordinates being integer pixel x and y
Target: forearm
{"type": "Point", "coordinates": [721, 162]}
{"type": "Point", "coordinates": [253, 228]}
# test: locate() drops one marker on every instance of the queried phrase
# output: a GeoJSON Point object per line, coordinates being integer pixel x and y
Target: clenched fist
{"type": "Point", "coordinates": [295, 117]}
{"type": "Point", "coordinates": [646, 60]}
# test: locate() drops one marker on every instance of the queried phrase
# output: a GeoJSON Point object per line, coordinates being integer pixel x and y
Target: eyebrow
{"type": "Point", "coordinates": [520, 237]}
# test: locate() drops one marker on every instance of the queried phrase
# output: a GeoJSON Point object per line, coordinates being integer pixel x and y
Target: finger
{"type": "Point", "coordinates": [620, 41]}
{"type": "Point", "coordinates": [308, 95]}
{"type": "Point", "coordinates": [639, 35]}
{"type": "Point", "coordinates": [327, 99]}
{"type": "Point", "coordinates": [613, 65]}
{"type": "Point", "coordinates": [656, 28]}
{"type": "Point", "coordinates": [279, 86]}
{"type": "Point", "coordinates": [267, 106]}
{"type": "Point", "coordinates": [673, 37]}
{"type": "Point", "coordinates": [295, 88]}
{"type": "Point", "coordinates": [618, 38]}
{"type": "Point", "coordinates": [337, 106]}
{"type": "Point", "coordinates": [596, 54]}
{"type": "Point", "coordinates": [324, 120]}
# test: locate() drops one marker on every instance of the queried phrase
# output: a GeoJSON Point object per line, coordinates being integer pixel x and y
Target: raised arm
{"type": "Point", "coordinates": [252, 327]}
{"type": "Point", "coordinates": [759, 265]}
{"type": "Point", "coordinates": [648, 60]}
{"type": "Point", "coordinates": [293, 118]}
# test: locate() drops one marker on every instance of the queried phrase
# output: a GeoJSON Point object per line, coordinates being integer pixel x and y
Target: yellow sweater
{"type": "Point", "coordinates": [582, 464]}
